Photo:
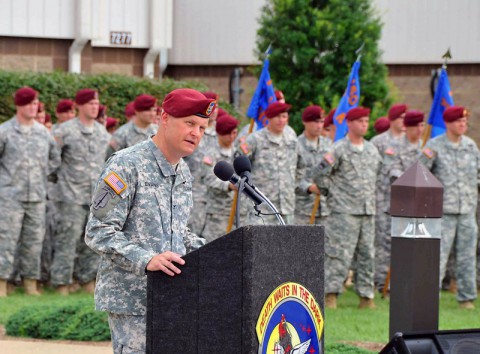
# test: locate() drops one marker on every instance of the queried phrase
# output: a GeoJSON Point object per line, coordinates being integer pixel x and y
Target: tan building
{"type": "Point", "coordinates": [205, 40]}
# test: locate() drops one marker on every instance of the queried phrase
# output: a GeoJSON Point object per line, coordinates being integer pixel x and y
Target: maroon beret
{"type": "Point", "coordinates": [130, 109]}
{"type": "Point", "coordinates": [210, 94]}
{"type": "Point", "coordinates": [453, 113]}
{"type": "Point", "coordinates": [187, 102]}
{"type": "Point", "coordinates": [312, 113]}
{"type": "Point", "coordinates": [226, 124]}
{"type": "Point", "coordinates": [48, 118]}
{"type": "Point", "coordinates": [144, 103]}
{"type": "Point", "coordinates": [221, 112]}
{"type": "Point", "coordinates": [64, 106]}
{"type": "Point", "coordinates": [85, 95]}
{"type": "Point", "coordinates": [357, 113]}
{"type": "Point", "coordinates": [413, 118]}
{"type": "Point", "coordinates": [279, 95]}
{"type": "Point", "coordinates": [24, 96]}
{"type": "Point", "coordinates": [381, 125]}
{"type": "Point", "coordinates": [329, 118]}
{"type": "Point", "coordinates": [112, 122]}
{"type": "Point", "coordinates": [396, 111]}
{"type": "Point", "coordinates": [275, 108]}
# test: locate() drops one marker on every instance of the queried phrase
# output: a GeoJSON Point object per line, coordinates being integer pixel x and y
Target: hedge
{"type": "Point", "coordinates": [115, 90]}
{"type": "Point", "coordinates": [75, 321]}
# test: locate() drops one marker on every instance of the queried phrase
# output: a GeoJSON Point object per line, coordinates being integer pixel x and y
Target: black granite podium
{"type": "Point", "coordinates": [214, 305]}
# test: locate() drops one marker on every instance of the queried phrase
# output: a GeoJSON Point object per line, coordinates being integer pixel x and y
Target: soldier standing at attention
{"type": "Point", "coordinates": [83, 145]}
{"type": "Point", "coordinates": [311, 148]}
{"type": "Point", "coordinates": [455, 160]}
{"type": "Point", "coordinates": [137, 129]}
{"type": "Point", "coordinates": [138, 217]}
{"type": "Point", "coordinates": [386, 144]}
{"type": "Point", "coordinates": [353, 165]}
{"type": "Point", "coordinates": [273, 153]}
{"type": "Point", "coordinates": [219, 193]}
{"type": "Point", "coordinates": [28, 154]}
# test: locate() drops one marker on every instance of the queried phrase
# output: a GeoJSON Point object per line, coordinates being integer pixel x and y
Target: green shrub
{"type": "Point", "coordinates": [75, 321]}
{"type": "Point", "coordinates": [344, 349]}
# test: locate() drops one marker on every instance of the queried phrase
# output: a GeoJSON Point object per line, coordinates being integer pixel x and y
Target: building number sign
{"type": "Point", "coordinates": [120, 38]}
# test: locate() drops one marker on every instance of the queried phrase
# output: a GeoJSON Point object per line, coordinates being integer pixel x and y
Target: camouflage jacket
{"type": "Point", "coordinates": [457, 168]}
{"type": "Point", "coordinates": [353, 175]}
{"type": "Point", "coordinates": [309, 158]}
{"type": "Point", "coordinates": [128, 135]}
{"type": "Point", "coordinates": [142, 214]}
{"type": "Point", "coordinates": [26, 160]}
{"type": "Point", "coordinates": [406, 157]}
{"type": "Point", "coordinates": [274, 167]}
{"type": "Point", "coordinates": [83, 154]}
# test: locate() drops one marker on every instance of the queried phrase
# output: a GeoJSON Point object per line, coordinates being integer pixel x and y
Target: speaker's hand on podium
{"type": "Point", "coordinates": [165, 263]}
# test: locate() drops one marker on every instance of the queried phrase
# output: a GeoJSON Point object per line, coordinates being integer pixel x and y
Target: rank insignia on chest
{"type": "Point", "coordinates": [329, 158]}
{"type": "Point", "coordinates": [389, 151]}
{"type": "Point", "coordinates": [115, 182]}
{"type": "Point", "coordinates": [207, 160]}
{"type": "Point", "coordinates": [245, 148]}
{"type": "Point", "coordinates": [428, 153]}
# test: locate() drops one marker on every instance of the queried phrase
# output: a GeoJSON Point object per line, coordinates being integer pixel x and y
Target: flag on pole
{"type": "Point", "coordinates": [442, 99]}
{"type": "Point", "coordinates": [349, 100]}
{"type": "Point", "coordinates": [263, 96]}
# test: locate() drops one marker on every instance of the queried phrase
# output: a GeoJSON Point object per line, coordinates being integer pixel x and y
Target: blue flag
{"type": "Point", "coordinates": [263, 96]}
{"type": "Point", "coordinates": [349, 100]}
{"type": "Point", "coordinates": [442, 100]}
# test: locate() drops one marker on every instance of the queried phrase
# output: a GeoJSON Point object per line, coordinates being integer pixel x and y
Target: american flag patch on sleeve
{"type": "Point", "coordinates": [115, 182]}
{"type": "Point", "coordinates": [428, 153]}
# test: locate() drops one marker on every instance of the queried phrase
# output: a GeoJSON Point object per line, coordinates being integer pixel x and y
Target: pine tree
{"type": "Point", "coordinates": [314, 44]}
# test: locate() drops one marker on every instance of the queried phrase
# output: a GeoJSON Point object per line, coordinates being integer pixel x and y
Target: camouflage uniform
{"type": "Point", "coordinates": [83, 152]}
{"type": "Point", "coordinates": [27, 156]}
{"type": "Point", "coordinates": [127, 228]}
{"type": "Point", "coordinates": [350, 229]}
{"type": "Point", "coordinates": [388, 147]}
{"type": "Point", "coordinates": [128, 135]}
{"type": "Point", "coordinates": [195, 161]}
{"type": "Point", "coordinates": [274, 167]}
{"type": "Point", "coordinates": [219, 197]}
{"type": "Point", "coordinates": [309, 156]}
{"type": "Point", "coordinates": [404, 155]}
{"type": "Point", "coordinates": [457, 167]}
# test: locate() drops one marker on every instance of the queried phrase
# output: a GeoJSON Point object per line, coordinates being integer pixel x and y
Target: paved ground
{"type": "Point", "coordinates": [37, 347]}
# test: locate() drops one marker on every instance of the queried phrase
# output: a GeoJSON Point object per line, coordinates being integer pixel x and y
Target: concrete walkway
{"type": "Point", "coordinates": [51, 347]}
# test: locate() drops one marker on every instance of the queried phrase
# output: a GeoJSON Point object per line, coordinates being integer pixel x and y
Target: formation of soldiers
{"type": "Point", "coordinates": [47, 180]}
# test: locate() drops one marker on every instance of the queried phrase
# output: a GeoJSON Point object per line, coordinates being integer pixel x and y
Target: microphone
{"type": "Point", "coordinates": [225, 172]}
{"type": "Point", "coordinates": [243, 167]}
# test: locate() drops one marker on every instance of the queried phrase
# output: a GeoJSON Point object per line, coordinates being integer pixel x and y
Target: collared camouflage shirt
{"type": "Point", "coordinates": [140, 209]}
{"type": "Point", "coordinates": [83, 152]}
{"type": "Point", "coordinates": [27, 157]}
{"type": "Point", "coordinates": [353, 174]}
{"type": "Point", "coordinates": [128, 135]}
{"type": "Point", "coordinates": [457, 167]}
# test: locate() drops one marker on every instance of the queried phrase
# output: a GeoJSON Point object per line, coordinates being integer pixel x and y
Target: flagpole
{"type": "Point", "coordinates": [428, 131]}
{"type": "Point", "coordinates": [233, 208]}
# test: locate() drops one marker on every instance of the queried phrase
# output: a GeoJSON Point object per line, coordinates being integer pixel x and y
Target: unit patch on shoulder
{"type": "Point", "coordinates": [245, 148]}
{"type": "Point", "coordinates": [207, 160]}
{"type": "Point", "coordinates": [389, 151]}
{"type": "Point", "coordinates": [428, 153]}
{"type": "Point", "coordinates": [115, 182]}
{"type": "Point", "coordinates": [329, 158]}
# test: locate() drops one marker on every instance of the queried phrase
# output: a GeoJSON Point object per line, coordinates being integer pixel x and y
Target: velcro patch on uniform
{"type": "Point", "coordinates": [115, 182]}
{"type": "Point", "coordinates": [245, 148]}
{"type": "Point", "coordinates": [428, 153]}
{"type": "Point", "coordinates": [329, 158]}
{"type": "Point", "coordinates": [389, 151]}
{"type": "Point", "coordinates": [207, 160]}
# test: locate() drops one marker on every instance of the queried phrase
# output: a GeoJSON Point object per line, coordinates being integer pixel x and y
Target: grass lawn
{"type": "Point", "coordinates": [345, 324]}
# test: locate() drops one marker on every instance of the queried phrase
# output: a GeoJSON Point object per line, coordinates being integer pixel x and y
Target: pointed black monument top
{"type": "Point", "coordinates": [417, 194]}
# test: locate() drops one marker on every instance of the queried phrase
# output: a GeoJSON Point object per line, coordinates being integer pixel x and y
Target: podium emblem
{"type": "Point", "coordinates": [291, 322]}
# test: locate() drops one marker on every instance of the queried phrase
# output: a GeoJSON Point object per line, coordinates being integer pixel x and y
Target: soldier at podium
{"type": "Point", "coordinates": [138, 216]}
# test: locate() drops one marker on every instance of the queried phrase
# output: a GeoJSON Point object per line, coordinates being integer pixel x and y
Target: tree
{"type": "Point", "coordinates": [314, 44]}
